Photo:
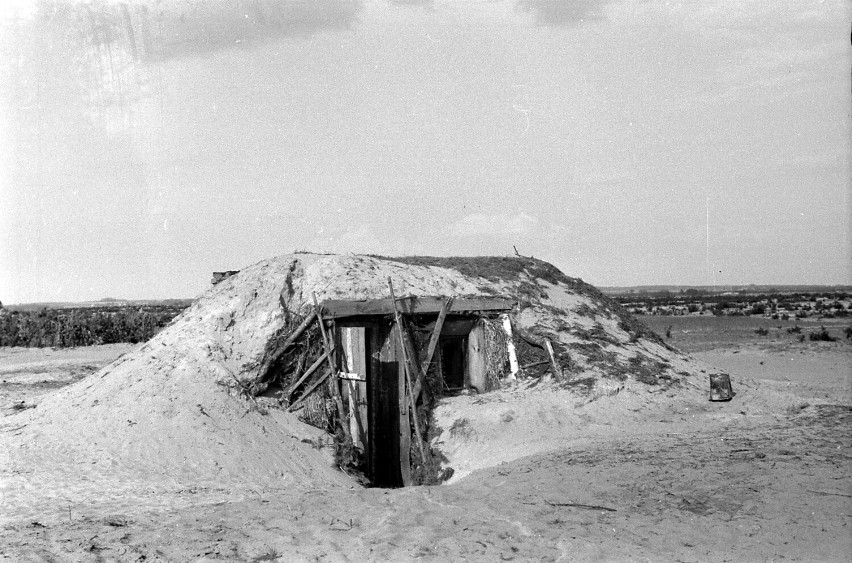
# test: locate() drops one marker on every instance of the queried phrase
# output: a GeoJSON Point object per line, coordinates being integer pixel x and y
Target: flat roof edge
{"type": "Point", "coordinates": [412, 305]}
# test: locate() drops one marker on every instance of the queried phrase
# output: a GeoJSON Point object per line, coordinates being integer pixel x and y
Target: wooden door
{"type": "Point", "coordinates": [389, 431]}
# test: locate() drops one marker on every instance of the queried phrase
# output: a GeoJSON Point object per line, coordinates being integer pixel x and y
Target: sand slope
{"type": "Point", "coordinates": [644, 474]}
{"type": "Point", "coordinates": [167, 415]}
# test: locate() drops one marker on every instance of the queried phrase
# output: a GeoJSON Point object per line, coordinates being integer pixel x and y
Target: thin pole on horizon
{"type": "Point", "coordinates": [707, 244]}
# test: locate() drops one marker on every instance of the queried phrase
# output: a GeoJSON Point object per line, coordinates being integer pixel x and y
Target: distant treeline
{"type": "Point", "coordinates": [85, 326]}
{"type": "Point", "coordinates": [668, 290]}
{"type": "Point", "coordinates": [776, 306]}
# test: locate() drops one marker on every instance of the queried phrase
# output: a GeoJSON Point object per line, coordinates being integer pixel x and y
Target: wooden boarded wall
{"type": "Point", "coordinates": [353, 363]}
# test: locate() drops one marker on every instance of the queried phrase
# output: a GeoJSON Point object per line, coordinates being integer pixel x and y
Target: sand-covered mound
{"type": "Point", "coordinates": [170, 412]}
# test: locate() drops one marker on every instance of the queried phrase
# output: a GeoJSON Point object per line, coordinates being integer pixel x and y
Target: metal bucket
{"type": "Point", "coordinates": [720, 387]}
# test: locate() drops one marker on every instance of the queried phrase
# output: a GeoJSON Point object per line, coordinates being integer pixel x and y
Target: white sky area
{"type": "Point", "coordinates": [145, 144]}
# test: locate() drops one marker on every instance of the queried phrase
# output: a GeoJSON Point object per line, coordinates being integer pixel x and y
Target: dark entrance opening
{"type": "Point", "coordinates": [453, 356]}
{"type": "Point", "coordinates": [376, 377]}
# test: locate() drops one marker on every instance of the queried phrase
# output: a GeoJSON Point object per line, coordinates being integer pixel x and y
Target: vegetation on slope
{"type": "Point", "coordinates": [520, 270]}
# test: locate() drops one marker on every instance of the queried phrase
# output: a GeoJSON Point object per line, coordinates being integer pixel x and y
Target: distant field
{"type": "Point", "coordinates": [102, 304]}
{"type": "Point", "coordinates": [717, 289]}
{"type": "Point", "coordinates": [706, 332]}
{"type": "Point", "coordinates": [67, 327]}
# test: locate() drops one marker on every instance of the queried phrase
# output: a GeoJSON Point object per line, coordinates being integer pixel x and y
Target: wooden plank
{"type": "Point", "coordinates": [436, 334]}
{"type": "Point", "coordinates": [352, 346]}
{"type": "Point", "coordinates": [393, 413]}
{"type": "Point", "coordinates": [337, 308]}
{"type": "Point", "coordinates": [534, 364]}
{"type": "Point", "coordinates": [361, 401]}
{"type": "Point", "coordinates": [307, 374]}
{"type": "Point", "coordinates": [418, 377]}
{"type": "Point", "coordinates": [354, 429]}
{"type": "Point", "coordinates": [335, 389]}
{"type": "Point", "coordinates": [350, 376]}
{"type": "Point", "coordinates": [267, 362]}
{"type": "Point", "coordinates": [389, 411]}
{"type": "Point", "coordinates": [514, 367]}
{"type": "Point", "coordinates": [308, 391]}
{"type": "Point", "coordinates": [359, 425]}
{"type": "Point", "coordinates": [374, 428]}
{"type": "Point", "coordinates": [475, 373]}
{"type": "Point", "coordinates": [557, 371]}
{"type": "Point", "coordinates": [433, 343]}
{"type": "Point", "coordinates": [404, 432]}
{"type": "Point", "coordinates": [439, 369]}
{"type": "Point", "coordinates": [409, 362]}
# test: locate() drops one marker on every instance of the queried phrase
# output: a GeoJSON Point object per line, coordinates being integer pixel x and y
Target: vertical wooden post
{"type": "Point", "coordinates": [408, 363]}
{"type": "Point", "coordinates": [404, 436]}
{"type": "Point", "coordinates": [557, 371]}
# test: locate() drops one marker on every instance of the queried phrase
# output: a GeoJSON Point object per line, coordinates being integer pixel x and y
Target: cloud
{"type": "Point", "coordinates": [191, 28]}
{"type": "Point", "coordinates": [158, 30]}
{"type": "Point", "coordinates": [479, 224]}
{"type": "Point", "coordinates": [413, 3]}
{"type": "Point", "coordinates": [560, 13]}
{"type": "Point", "coordinates": [94, 56]}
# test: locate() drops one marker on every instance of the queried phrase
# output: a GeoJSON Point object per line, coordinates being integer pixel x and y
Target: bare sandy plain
{"type": "Point", "coordinates": [643, 476]}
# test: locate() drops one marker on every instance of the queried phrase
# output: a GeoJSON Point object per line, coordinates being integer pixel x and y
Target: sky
{"type": "Point", "coordinates": [147, 143]}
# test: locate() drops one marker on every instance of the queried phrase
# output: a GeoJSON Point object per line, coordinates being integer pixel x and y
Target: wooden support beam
{"type": "Point", "coordinates": [534, 364]}
{"type": "Point", "coordinates": [337, 308]}
{"type": "Point", "coordinates": [544, 344]}
{"type": "Point", "coordinates": [557, 370]}
{"type": "Point", "coordinates": [335, 388]}
{"type": "Point", "coordinates": [305, 375]}
{"type": "Point", "coordinates": [418, 379]}
{"type": "Point", "coordinates": [436, 334]}
{"type": "Point", "coordinates": [433, 343]}
{"type": "Point", "coordinates": [308, 391]}
{"type": "Point", "coordinates": [267, 362]}
{"type": "Point", "coordinates": [408, 363]}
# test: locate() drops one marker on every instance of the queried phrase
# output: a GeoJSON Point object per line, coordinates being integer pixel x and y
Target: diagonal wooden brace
{"type": "Point", "coordinates": [329, 349]}
{"type": "Point", "coordinates": [409, 364]}
{"type": "Point", "coordinates": [433, 343]}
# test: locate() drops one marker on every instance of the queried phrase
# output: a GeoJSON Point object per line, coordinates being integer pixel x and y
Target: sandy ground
{"type": "Point", "coordinates": [629, 476]}
{"type": "Point", "coordinates": [27, 374]}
